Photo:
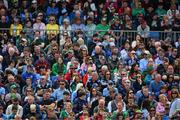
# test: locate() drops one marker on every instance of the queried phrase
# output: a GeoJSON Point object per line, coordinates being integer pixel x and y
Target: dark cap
{"type": "Point", "coordinates": [110, 82]}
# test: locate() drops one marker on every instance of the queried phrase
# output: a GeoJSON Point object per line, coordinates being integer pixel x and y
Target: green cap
{"type": "Point", "coordinates": [104, 19]}
{"type": "Point", "coordinates": [13, 86]}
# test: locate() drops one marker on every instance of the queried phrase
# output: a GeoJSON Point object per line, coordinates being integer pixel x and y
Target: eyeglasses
{"type": "Point", "coordinates": [51, 20]}
{"type": "Point", "coordinates": [174, 92]}
{"type": "Point", "coordinates": [28, 91]}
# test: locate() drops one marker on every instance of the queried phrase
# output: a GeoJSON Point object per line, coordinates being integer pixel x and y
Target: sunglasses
{"type": "Point", "coordinates": [62, 84]}
{"type": "Point", "coordinates": [51, 20]}
{"type": "Point", "coordinates": [28, 90]}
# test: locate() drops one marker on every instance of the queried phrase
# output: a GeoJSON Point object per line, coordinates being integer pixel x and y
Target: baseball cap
{"type": "Point", "coordinates": [110, 82]}
{"type": "Point", "coordinates": [13, 86]}
{"type": "Point", "coordinates": [104, 19]}
{"type": "Point", "coordinates": [34, 1]}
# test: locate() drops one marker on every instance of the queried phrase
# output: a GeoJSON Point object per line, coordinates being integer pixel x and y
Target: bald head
{"type": "Point", "coordinates": [1, 58]}
{"type": "Point", "coordinates": [97, 49]}
{"type": "Point", "coordinates": [11, 51]}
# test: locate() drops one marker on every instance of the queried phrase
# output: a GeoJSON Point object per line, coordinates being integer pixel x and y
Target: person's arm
{"type": "Point", "coordinates": [8, 112]}
{"type": "Point", "coordinates": [175, 108]}
{"type": "Point", "coordinates": [54, 69]}
{"type": "Point", "coordinates": [109, 107]}
{"type": "Point", "coordinates": [2, 93]}
{"type": "Point", "coordinates": [20, 113]}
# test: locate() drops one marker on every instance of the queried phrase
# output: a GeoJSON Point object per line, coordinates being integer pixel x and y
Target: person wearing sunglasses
{"type": "Point", "coordinates": [52, 27]}
{"type": "Point", "coordinates": [175, 104]}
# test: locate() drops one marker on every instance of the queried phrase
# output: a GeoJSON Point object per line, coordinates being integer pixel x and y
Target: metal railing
{"type": "Point", "coordinates": [87, 35]}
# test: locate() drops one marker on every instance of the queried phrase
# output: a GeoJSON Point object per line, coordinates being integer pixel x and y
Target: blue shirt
{"type": "Point", "coordinates": [30, 75]}
{"type": "Point", "coordinates": [175, 105]}
{"type": "Point", "coordinates": [158, 61]}
{"type": "Point", "coordinates": [2, 91]}
{"type": "Point", "coordinates": [106, 91]}
{"type": "Point", "coordinates": [51, 10]}
{"type": "Point", "coordinates": [58, 93]}
{"type": "Point", "coordinates": [156, 87]}
{"type": "Point", "coordinates": [4, 116]}
{"type": "Point", "coordinates": [143, 64]}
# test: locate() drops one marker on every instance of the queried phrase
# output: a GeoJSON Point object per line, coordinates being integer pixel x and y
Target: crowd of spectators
{"type": "Point", "coordinates": [70, 60]}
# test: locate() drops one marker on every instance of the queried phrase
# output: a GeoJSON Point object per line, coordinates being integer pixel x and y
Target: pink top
{"type": "Point", "coordinates": [160, 108]}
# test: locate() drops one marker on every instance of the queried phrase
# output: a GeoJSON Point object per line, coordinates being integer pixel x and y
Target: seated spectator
{"type": "Point", "coordinates": [52, 27]}
{"type": "Point", "coordinates": [66, 111]}
{"type": "Point", "coordinates": [174, 108]}
{"type": "Point", "coordinates": [156, 85]}
{"type": "Point", "coordinates": [16, 25]}
{"type": "Point", "coordinates": [11, 81]}
{"type": "Point", "coordinates": [39, 25]}
{"type": "Point", "coordinates": [100, 111]}
{"type": "Point", "coordinates": [58, 93]}
{"type": "Point", "coordinates": [12, 93]}
{"type": "Point", "coordinates": [80, 102]}
{"type": "Point", "coordinates": [52, 9]}
{"type": "Point", "coordinates": [33, 113]}
{"type": "Point", "coordinates": [61, 103]}
{"type": "Point", "coordinates": [119, 110]}
{"type": "Point", "coordinates": [46, 102]}
{"type": "Point", "coordinates": [103, 27]}
{"type": "Point", "coordinates": [31, 108]}
{"type": "Point", "coordinates": [58, 67]}
{"type": "Point", "coordinates": [113, 105]}
{"type": "Point", "coordinates": [3, 116]}
{"type": "Point", "coordinates": [109, 86]}
{"type": "Point", "coordinates": [42, 85]}
{"type": "Point", "coordinates": [14, 108]}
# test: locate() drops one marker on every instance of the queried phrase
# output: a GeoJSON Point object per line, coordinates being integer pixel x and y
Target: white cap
{"type": "Point", "coordinates": [34, 1]}
{"type": "Point", "coordinates": [147, 52]}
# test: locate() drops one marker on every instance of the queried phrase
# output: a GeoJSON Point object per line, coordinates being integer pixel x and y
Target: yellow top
{"type": "Point", "coordinates": [52, 29]}
{"type": "Point", "coordinates": [15, 29]}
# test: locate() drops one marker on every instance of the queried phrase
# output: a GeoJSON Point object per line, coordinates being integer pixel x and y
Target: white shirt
{"type": "Point", "coordinates": [19, 111]}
